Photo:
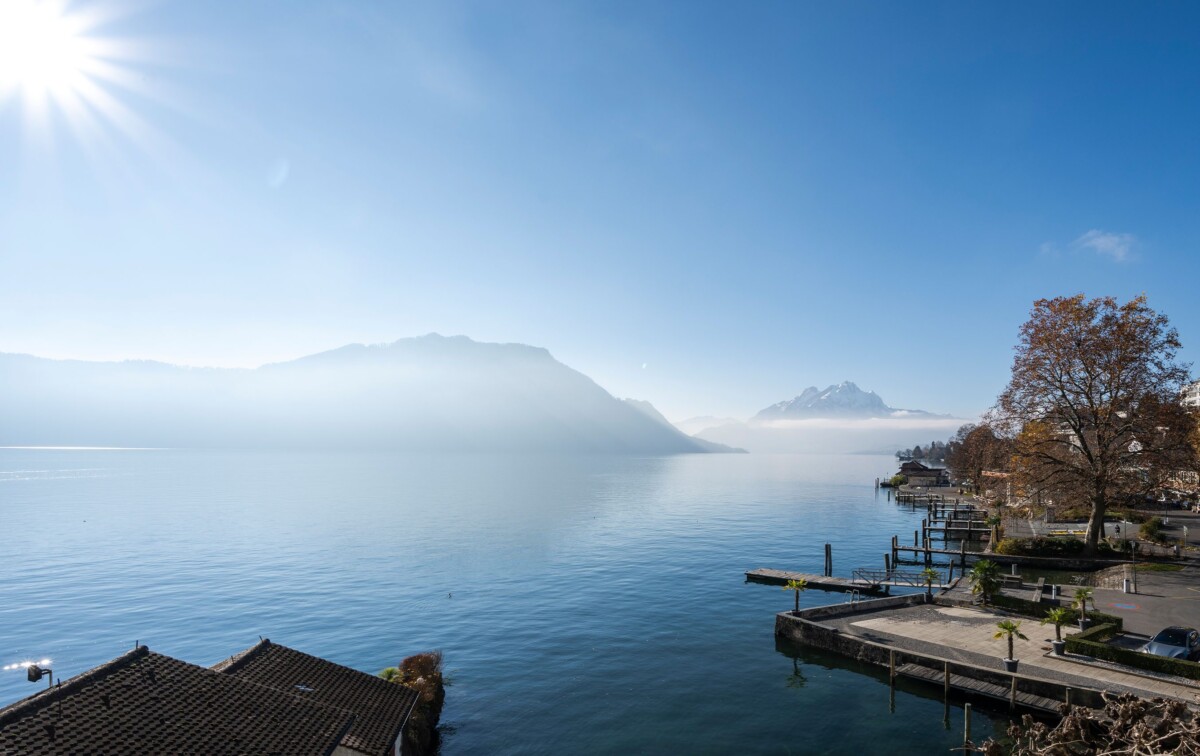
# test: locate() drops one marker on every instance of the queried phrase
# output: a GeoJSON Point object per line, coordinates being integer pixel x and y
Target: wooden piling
{"type": "Point", "coordinates": [946, 682]}
{"type": "Point", "coordinates": [892, 666]}
{"type": "Point", "coordinates": [966, 726]}
{"type": "Point", "coordinates": [1012, 695]}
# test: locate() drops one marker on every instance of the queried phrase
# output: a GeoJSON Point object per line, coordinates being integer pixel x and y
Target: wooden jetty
{"type": "Point", "coordinates": [821, 582]}
{"type": "Point", "coordinates": [873, 581]}
{"type": "Point", "coordinates": [963, 684]}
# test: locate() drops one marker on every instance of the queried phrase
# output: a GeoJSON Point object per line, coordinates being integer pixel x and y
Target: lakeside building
{"type": "Point", "coordinates": [919, 474]}
{"type": "Point", "coordinates": [268, 699]}
{"type": "Point", "coordinates": [1191, 395]}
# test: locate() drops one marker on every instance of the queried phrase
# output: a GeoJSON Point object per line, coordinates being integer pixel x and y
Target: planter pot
{"type": "Point", "coordinates": [1084, 624]}
{"type": "Point", "coordinates": [1059, 647]}
{"type": "Point", "coordinates": [1010, 665]}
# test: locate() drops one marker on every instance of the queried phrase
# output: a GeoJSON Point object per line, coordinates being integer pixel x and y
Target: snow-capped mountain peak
{"type": "Point", "coordinates": [845, 399]}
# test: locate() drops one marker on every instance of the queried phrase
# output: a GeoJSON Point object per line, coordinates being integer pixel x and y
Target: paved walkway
{"type": "Point", "coordinates": [966, 635]}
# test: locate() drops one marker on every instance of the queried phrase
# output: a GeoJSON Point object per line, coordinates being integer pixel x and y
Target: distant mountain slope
{"type": "Point", "coordinates": [844, 400]}
{"type": "Point", "coordinates": [429, 393]}
{"type": "Point", "coordinates": [650, 411]}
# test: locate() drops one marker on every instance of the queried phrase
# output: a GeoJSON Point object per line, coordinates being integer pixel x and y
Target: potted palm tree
{"type": "Point", "coordinates": [1009, 630]}
{"type": "Point", "coordinates": [1082, 596]}
{"type": "Point", "coordinates": [1058, 616]}
{"type": "Point", "coordinates": [797, 586]}
{"type": "Point", "coordinates": [985, 579]}
{"type": "Point", "coordinates": [929, 575]}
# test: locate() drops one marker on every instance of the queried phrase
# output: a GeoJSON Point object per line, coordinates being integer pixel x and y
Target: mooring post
{"type": "Point", "coordinates": [887, 565]}
{"type": "Point", "coordinates": [1068, 697]}
{"type": "Point", "coordinates": [928, 555]}
{"type": "Point", "coordinates": [966, 725]}
{"type": "Point", "coordinates": [892, 666]}
{"type": "Point", "coordinates": [1012, 694]}
{"type": "Point", "coordinates": [895, 545]}
{"type": "Point", "coordinates": [915, 542]}
{"type": "Point", "coordinates": [946, 681]}
{"type": "Point", "coordinates": [828, 560]}
{"type": "Point", "coordinates": [962, 555]}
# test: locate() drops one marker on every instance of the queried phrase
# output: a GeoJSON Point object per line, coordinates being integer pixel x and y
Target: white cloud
{"type": "Point", "coordinates": [1118, 247]}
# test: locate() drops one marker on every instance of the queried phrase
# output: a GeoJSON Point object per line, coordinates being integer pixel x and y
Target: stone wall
{"type": "Point", "coordinates": [809, 631]}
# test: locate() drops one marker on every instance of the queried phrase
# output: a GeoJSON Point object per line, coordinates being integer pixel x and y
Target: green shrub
{"type": "Point", "coordinates": [1152, 530]}
{"type": "Point", "coordinates": [1088, 643]}
{"type": "Point", "coordinates": [1047, 547]}
{"type": "Point", "coordinates": [898, 480]}
{"type": "Point", "coordinates": [1062, 547]}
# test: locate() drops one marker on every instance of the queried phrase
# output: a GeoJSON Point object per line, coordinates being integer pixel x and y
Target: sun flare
{"type": "Point", "coordinates": [43, 48]}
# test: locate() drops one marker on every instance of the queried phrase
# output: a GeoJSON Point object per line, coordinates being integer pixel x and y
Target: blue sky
{"type": "Point", "coordinates": [709, 206]}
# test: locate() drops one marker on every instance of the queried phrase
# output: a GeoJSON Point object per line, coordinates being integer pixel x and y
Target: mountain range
{"type": "Point", "coordinates": [843, 400]}
{"type": "Point", "coordinates": [430, 393]}
{"type": "Point", "coordinates": [838, 418]}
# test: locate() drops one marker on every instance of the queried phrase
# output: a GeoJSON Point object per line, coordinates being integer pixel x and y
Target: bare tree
{"type": "Point", "coordinates": [1093, 403]}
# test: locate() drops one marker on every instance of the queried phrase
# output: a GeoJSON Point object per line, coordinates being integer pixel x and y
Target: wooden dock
{"type": "Point", "coordinates": [919, 550]}
{"type": "Point", "coordinates": [821, 582]}
{"type": "Point", "coordinates": [970, 685]}
{"type": "Point", "coordinates": [877, 583]}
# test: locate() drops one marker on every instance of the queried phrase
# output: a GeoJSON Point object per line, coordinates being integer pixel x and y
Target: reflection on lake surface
{"type": "Point", "coordinates": [584, 604]}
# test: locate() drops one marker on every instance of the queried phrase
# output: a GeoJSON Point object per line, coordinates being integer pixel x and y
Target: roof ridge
{"type": "Point", "coordinates": [63, 689]}
{"type": "Point", "coordinates": [238, 660]}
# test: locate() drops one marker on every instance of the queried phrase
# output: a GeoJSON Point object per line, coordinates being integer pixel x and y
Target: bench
{"type": "Point", "coordinates": [1012, 580]}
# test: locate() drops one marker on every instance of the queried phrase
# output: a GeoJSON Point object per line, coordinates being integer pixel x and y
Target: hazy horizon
{"type": "Point", "coordinates": [936, 421]}
{"type": "Point", "coordinates": [704, 206]}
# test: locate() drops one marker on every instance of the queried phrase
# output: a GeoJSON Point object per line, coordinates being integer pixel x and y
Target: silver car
{"type": "Point", "coordinates": [1175, 643]}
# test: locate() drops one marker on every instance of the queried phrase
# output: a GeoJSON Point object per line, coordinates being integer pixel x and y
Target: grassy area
{"type": "Point", "coordinates": [1158, 567]}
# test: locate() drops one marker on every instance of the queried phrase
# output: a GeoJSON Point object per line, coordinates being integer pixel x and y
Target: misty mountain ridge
{"type": "Point", "coordinates": [429, 393]}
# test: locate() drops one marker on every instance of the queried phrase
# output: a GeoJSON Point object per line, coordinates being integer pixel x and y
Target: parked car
{"type": "Point", "coordinates": [1175, 643]}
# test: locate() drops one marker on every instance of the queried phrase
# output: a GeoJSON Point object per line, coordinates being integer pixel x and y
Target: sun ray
{"type": "Point", "coordinates": [58, 69]}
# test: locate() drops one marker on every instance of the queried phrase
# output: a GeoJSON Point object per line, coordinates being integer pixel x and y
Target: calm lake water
{"type": "Point", "coordinates": [584, 605]}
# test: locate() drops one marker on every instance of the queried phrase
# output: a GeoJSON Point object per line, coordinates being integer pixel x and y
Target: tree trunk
{"type": "Point", "coordinates": [1095, 527]}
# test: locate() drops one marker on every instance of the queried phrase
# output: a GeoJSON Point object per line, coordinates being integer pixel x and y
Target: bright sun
{"type": "Point", "coordinates": [43, 50]}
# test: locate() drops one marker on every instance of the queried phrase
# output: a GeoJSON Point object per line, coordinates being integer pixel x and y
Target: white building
{"type": "Point", "coordinates": [1191, 395]}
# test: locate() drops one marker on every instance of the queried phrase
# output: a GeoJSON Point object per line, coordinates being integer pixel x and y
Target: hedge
{"type": "Point", "coordinates": [1087, 643]}
{"type": "Point", "coordinates": [1038, 611]}
{"type": "Point", "coordinates": [1046, 547]}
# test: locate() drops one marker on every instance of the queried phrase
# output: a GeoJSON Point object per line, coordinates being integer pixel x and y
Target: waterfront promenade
{"type": "Point", "coordinates": [965, 635]}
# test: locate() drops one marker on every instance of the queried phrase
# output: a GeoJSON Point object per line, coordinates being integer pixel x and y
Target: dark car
{"type": "Point", "coordinates": [1175, 643]}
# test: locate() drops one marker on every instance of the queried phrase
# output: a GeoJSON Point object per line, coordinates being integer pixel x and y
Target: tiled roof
{"type": "Point", "coordinates": [381, 707]}
{"type": "Point", "coordinates": [144, 702]}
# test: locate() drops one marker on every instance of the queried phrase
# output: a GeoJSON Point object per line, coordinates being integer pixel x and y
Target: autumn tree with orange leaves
{"type": "Point", "coordinates": [1092, 406]}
